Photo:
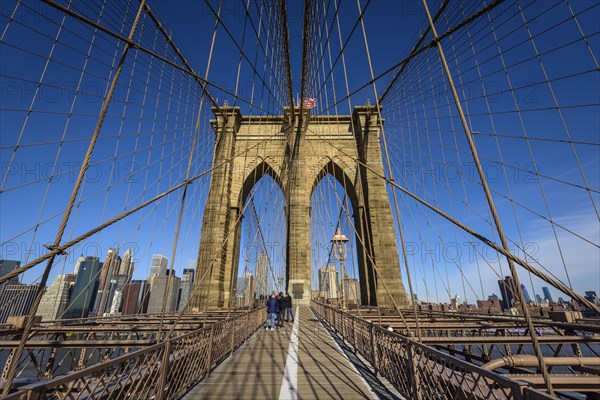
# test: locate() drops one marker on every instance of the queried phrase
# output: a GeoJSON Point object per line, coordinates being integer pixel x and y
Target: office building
{"type": "Point", "coordinates": [163, 287]}
{"type": "Point", "coordinates": [262, 274]}
{"type": "Point", "coordinates": [508, 291]}
{"type": "Point", "coordinates": [85, 288]}
{"type": "Point", "coordinates": [189, 274]}
{"type": "Point", "coordinates": [126, 267]}
{"type": "Point", "coordinates": [106, 286]}
{"type": "Point", "coordinates": [494, 297]}
{"type": "Point", "coordinates": [7, 266]}
{"type": "Point", "coordinates": [56, 299]}
{"type": "Point", "coordinates": [352, 290]}
{"type": "Point", "coordinates": [591, 296]}
{"type": "Point", "coordinates": [249, 288]}
{"type": "Point", "coordinates": [547, 295]}
{"type": "Point", "coordinates": [525, 294]}
{"type": "Point", "coordinates": [116, 286]}
{"type": "Point", "coordinates": [489, 304]}
{"type": "Point", "coordinates": [159, 265]}
{"type": "Point", "coordinates": [16, 300]}
{"type": "Point", "coordinates": [115, 306]}
{"type": "Point", "coordinates": [328, 283]}
{"type": "Point", "coordinates": [191, 268]}
{"type": "Point", "coordinates": [78, 263]}
{"type": "Point", "coordinates": [136, 295]}
{"type": "Point", "coordinates": [538, 299]}
{"type": "Point", "coordinates": [185, 288]}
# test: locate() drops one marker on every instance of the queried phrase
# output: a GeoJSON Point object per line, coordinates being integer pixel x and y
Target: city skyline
{"type": "Point", "coordinates": [538, 291]}
{"type": "Point", "coordinates": [106, 288]}
{"type": "Point", "coordinates": [76, 295]}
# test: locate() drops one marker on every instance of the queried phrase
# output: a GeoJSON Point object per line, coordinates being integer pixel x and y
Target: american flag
{"type": "Point", "coordinates": [309, 102]}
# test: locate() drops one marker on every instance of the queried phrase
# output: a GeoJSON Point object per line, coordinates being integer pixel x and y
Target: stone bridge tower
{"type": "Point", "coordinates": [297, 154]}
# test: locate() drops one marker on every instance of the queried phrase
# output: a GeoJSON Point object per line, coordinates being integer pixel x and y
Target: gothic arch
{"type": "Point", "coordinates": [333, 168]}
{"type": "Point", "coordinates": [256, 173]}
{"type": "Point", "coordinates": [333, 144]}
{"type": "Point", "coordinates": [342, 172]}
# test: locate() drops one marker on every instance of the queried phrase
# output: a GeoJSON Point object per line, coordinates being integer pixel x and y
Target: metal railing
{"type": "Point", "coordinates": [162, 371]}
{"type": "Point", "coordinates": [418, 371]}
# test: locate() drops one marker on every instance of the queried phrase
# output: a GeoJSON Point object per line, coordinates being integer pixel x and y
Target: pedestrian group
{"type": "Point", "coordinates": [279, 309]}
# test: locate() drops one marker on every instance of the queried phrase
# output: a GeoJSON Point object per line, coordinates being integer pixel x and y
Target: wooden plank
{"type": "Point", "coordinates": [255, 371]}
{"type": "Point", "coordinates": [324, 372]}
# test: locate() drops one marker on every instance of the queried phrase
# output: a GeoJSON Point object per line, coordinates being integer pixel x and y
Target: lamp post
{"type": "Point", "coordinates": [339, 251]}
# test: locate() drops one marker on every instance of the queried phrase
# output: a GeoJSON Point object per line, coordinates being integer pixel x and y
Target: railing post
{"type": "Point", "coordinates": [354, 333]}
{"type": "Point", "coordinates": [346, 326]}
{"type": "Point", "coordinates": [246, 335]}
{"type": "Point", "coordinates": [233, 328]}
{"type": "Point", "coordinates": [334, 321]}
{"type": "Point", "coordinates": [372, 340]}
{"type": "Point", "coordinates": [210, 351]}
{"type": "Point", "coordinates": [164, 365]}
{"type": "Point", "coordinates": [412, 368]}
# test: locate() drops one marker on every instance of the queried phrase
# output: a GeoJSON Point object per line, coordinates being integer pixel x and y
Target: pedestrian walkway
{"type": "Point", "coordinates": [299, 361]}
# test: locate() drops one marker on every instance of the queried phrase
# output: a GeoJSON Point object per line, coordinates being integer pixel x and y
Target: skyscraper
{"type": "Point", "coordinates": [117, 284]}
{"type": "Point", "coordinates": [538, 299]}
{"type": "Point", "coordinates": [591, 296]}
{"type": "Point", "coordinates": [160, 290]}
{"type": "Point", "coordinates": [352, 290]}
{"type": "Point", "coordinates": [136, 295]}
{"type": "Point", "coordinates": [16, 300]}
{"type": "Point", "coordinates": [547, 295]}
{"type": "Point", "coordinates": [7, 266]}
{"type": "Point", "coordinates": [508, 291]}
{"type": "Point", "coordinates": [159, 265]}
{"type": "Point", "coordinates": [115, 306]}
{"type": "Point", "coordinates": [79, 261]}
{"type": "Point", "coordinates": [191, 265]}
{"type": "Point", "coordinates": [126, 267]}
{"type": "Point", "coordinates": [85, 288]}
{"type": "Point", "coordinates": [106, 286]}
{"type": "Point", "coordinates": [188, 275]}
{"type": "Point", "coordinates": [525, 294]}
{"type": "Point", "coordinates": [56, 298]}
{"type": "Point", "coordinates": [328, 282]}
{"type": "Point", "coordinates": [249, 288]}
{"type": "Point", "coordinates": [185, 288]}
{"type": "Point", "coordinates": [262, 273]}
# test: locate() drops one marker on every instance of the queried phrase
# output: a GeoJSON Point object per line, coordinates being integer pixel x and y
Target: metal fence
{"type": "Point", "coordinates": [165, 370]}
{"type": "Point", "coordinates": [418, 371]}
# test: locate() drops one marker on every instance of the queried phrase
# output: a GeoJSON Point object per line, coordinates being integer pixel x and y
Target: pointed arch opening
{"type": "Point", "coordinates": [334, 205]}
{"type": "Point", "coordinates": [260, 251]}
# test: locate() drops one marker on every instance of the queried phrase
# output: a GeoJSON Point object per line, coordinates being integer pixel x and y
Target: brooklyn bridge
{"type": "Point", "coordinates": [301, 199]}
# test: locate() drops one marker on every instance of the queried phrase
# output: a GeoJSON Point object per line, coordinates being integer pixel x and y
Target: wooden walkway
{"type": "Point", "coordinates": [299, 361]}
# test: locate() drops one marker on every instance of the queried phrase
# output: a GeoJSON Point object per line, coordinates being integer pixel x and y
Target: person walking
{"type": "Point", "coordinates": [282, 303]}
{"type": "Point", "coordinates": [288, 306]}
{"type": "Point", "coordinates": [272, 312]}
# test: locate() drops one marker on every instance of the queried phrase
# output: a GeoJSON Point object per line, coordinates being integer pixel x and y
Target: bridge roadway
{"type": "Point", "coordinates": [299, 361]}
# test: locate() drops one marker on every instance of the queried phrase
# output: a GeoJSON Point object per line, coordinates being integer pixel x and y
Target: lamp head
{"type": "Point", "coordinates": [339, 237]}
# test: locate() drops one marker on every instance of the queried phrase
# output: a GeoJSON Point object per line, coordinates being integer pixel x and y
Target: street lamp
{"type": "Point", "coordinates": [339, 251]}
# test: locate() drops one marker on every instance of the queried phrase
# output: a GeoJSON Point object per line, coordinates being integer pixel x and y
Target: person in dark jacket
{"type": "Point", "coordinates": [282, 303]}
{"type": "Point", "coordinates": [288, 306]}
{"type": "Point", "coordinates": [272, 312]}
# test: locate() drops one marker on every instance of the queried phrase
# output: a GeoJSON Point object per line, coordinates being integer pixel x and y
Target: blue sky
{"type": "Point", "coordinates": [428, 154]}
